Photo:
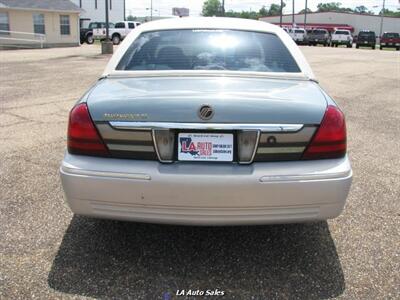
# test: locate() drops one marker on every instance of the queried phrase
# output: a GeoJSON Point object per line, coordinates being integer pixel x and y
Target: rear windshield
{"type": "Point", "coordinates": [366, 34]}
{"type": "Point", "coordinates": [342, 32]}
{"type": "Point", "coordinates": [320, 31]}
{"type": "Point", "coordinates": [193, 49]}
{"type": "Point", "coordinates": [391, 35]}
{"type": "Point", "coordinates": [299, 31]}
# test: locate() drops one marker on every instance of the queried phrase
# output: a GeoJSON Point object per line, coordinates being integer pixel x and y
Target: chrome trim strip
{"type": "Point", "coordinates": [206, 126]}
{"type": "Point", "coordinates": [136, 148]}
{"type": "Point", "coordinates": [305, 177]}
{"type": "Point", "coordinates": [109, 133]}
{"type": "Point", "coordinates": [138, 176]}
{"type": "Point", "coordinates": [273, 150]}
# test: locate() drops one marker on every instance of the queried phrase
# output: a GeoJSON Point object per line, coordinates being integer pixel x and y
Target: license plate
{"type": "Point", "coordinates": [365, 42]}
{"type": "Point", "coordinates": [205, 147]}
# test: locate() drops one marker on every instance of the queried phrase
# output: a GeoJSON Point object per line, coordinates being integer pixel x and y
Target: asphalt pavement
{"type": "Point", "coordinates": [47, 253]}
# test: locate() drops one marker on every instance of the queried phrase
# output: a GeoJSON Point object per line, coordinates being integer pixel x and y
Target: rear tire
{"type": "Point", "coordinates": [397, 48]}
{"type": "Point", "coordinates": [349, 46]}
{"type": "Point", "coordinates": [90, 39]}
{"type": "Point", "coordinates": [116, 39]}
{"type": "Point", "coordinates": [373, 47]}
{"type": "Point", "coordinates": [357, 46]}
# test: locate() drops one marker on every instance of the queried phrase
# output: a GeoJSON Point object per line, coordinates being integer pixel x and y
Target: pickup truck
{"type": "Point", "coordinates": [366, 38]}
{"type": "Point", "coordinates": [86, 34]}
{"type": "Point", "coordinates": [318, 36]}
{"type": "Point", "coordinates": [299, 35]}
{"type": "Point", "coordinates": [390, 40]}
{"type": "Point", "coordinates": [116, 34]}
{"type": "Point", "coordinates": [342, 37]}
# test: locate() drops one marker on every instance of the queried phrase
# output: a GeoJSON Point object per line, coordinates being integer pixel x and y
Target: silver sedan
{"type": "Point", "coordinates": [207, 121]}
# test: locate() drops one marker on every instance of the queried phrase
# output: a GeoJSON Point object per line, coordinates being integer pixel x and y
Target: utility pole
{"type": "Point", "coordinates": [305, 17]}
{"type": "Point", "coordinates": [293, 13]}
{"type": "Point", "coordinates": [382, 16]}
{"type": "Point", "coordinates": [223, 8]}
{"type": "Point", "coordinates": [107, 45]}
{"type": "Point", "coordinates": [280, 19]}
{"type": "Point", "coordinates": [151, 10]}
{"type": "Point", "coordinates": [107, 23]}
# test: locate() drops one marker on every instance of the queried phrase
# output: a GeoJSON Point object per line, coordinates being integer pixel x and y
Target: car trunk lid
{"type": "Point", "coordinates": [234, 100]}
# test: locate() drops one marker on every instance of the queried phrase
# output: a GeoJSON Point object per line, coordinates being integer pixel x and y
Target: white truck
{"type": "Point", "coordinates": [117, 33]}
{"type": "Point", "coordinates": [299, 35]}
{"type": "Point", "coordinates": [342, 37]}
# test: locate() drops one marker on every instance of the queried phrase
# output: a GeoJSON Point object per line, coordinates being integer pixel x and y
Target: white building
{"type": "Point", "coordinates": [357, 21]}
{"type": "Point", "coordinates": [94, 11]}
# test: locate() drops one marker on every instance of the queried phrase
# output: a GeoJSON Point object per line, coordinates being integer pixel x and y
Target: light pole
{"type": "Point", "coordinates": [382, 15]}
{"type": "Point", "coordinates": [107, 45]}
{"type": "Point", "coordinates": [223, 8]}
{"type": "Point", "coordinates": [305, 16]}
{"type": "Point", "coordinates": [280, 18]}
{"type": "Point", "coordinates": [151, 12]}
{"type": "Point", "coordinates": [293, 13]}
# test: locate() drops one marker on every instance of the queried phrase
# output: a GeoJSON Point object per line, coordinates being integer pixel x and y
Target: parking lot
{"type": "Point", "coordinates": [46, 252]}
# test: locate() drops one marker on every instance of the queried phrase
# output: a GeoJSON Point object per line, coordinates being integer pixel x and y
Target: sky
{"type": "Point", "coordinates": [164, 7]}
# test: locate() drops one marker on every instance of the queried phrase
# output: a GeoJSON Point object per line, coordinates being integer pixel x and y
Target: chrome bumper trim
{"type": "Point", "coordinates": [74, 171]}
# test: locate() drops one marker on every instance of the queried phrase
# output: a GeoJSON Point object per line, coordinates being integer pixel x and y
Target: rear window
{"type": "Point", "coordinates": [231, 50]}
{"type": "Point", "coordinates": [320, 31]}
{"type": "Point", "coordinates": [342, 32]}
{"type": "Point", "coordinates": [120, 25]}
{"type": "Point", "coordinates": [391, 35]}
{"type": "Point", "coordinates": [299, 31]}
{"type": "Point", "coordinates": [367, 34]}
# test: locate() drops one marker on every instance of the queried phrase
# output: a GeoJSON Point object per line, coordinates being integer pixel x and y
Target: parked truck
{"type": "Point", "coordinates": [86, 34]}
{"type": "Point", "coordinates": [390, 40]}
{"type": "Point", "coordinates": [116, 34]}
{"type": "Point", "coordinates": [342, 37]}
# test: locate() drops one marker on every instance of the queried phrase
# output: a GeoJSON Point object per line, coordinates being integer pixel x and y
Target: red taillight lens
{"type": "Point", "coordinates": [83, 137]}
{"type": "Point", "coordinates": [330, 139]}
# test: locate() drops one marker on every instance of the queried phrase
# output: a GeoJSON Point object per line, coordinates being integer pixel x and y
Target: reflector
{"type": "Point", "coordinates": [247, 141]}
{"type": "Point", "coordinates": [164, 144]}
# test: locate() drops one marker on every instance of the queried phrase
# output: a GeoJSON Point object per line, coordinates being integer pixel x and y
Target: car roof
{"type": "Point", "coordinates": [210, 23]}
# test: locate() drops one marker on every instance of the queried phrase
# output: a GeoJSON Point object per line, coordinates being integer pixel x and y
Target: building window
{"type": "Point", "coordinates": [38, 23]}
{"type": "Point", "coordinates": [64, 25]}
{"type": "Point", "coordinates": [95, 4]}
{"type": "Point", "coordinates": [4, 23]}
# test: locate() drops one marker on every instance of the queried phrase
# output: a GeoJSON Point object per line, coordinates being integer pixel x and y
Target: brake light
{"type": "Point", "coordinates": [83, 137]}
{"type": "Point", "coordinates": [330, 138]}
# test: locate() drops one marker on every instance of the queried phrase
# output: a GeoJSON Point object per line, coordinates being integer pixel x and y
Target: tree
{"type": "Point", "coordinates": [389, 13]}
{"type": "Point", "coordinates": [131, 18]}
{"type": "Point", "coordinates": [212, 8]}
{"type": "Point", "coordinates": [303, 11]}
{"type": "Point", "coordinates": [331, 6]}
{"type": "Point", "coordinates": [263, 12]}
{"type": "Point", "coordinates": [361, 9]}
{"type": "Point", "coordinates": [275, 9]}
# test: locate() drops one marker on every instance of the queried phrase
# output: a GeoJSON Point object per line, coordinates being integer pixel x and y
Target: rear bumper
{"type": "Point", "coordinates": [206, 194]}
{"type": "Point", "coordinates": [341, 42]}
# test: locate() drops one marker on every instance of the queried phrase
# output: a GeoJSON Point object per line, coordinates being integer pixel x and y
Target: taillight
{"type": "Point", "coordinates": [83, 137]}
{"type": "Point", "coordinates": [330, 138]}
